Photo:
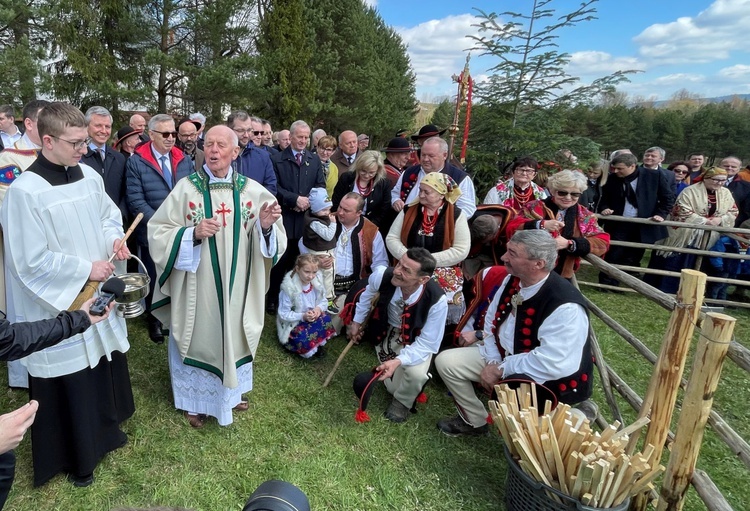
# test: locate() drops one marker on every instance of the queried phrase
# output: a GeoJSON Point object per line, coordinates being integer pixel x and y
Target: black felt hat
{"type": "Point", "coordinates": [364, 384]}
{"type": "Point", "coordinates": [125, 132]}
{"type": "Point", "coordinates": [430, 130]}
{"type": "Point", "coordinates": [398, 145]}
{"type": "Point", "coordinates": [275, 495]}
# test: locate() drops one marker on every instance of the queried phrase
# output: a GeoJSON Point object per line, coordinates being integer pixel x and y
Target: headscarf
{"type": "Point", "coordinates": [444, 185]}
{"type": "Point", "coordinates": [714, 171]}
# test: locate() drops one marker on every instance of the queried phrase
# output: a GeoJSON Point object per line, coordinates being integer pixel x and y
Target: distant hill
{"type": "Point", "coordinates": [719, 99]}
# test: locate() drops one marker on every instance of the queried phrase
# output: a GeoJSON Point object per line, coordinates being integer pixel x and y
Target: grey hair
{"type": "Point", "coordinates": [656, 149]}
{"type": "Point", "coordinates": [158, 119]}
{"type": "Point", "coordinates": [298, 124]}
{"type": "Point", "coordinates": [738, 160]}
{"type": "Point", "coordinates": [567, 179]}
{"type": "Point", "coordinates": [320, 133]}
{"type": "Point", "coordinates": [197, 116]}
{"type": "Point", "coordinates": [539, 244]}
{"type": "Point", "coordinates": [618, 152]}
{"type": "Point", "coordinates": [439, 141]}
{"type": "Point", "coordinates": [257, 120]}
{"type": "Point", "coordinates": [97, 110]}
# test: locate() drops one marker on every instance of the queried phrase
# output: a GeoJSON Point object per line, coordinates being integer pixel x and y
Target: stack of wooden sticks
{"type": "Point", "coordinates": [560, 450]}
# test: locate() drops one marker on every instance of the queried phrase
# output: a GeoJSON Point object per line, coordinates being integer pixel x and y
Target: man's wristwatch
{"type": "Point", "coordinates": [479, 334]}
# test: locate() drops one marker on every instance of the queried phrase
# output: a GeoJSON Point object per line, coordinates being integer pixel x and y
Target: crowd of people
{"type": "Point", "coordinates": [329, 237]}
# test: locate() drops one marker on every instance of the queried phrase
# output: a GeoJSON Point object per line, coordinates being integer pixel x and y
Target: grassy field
{"type": "Point", "coordinates": [299, 432]}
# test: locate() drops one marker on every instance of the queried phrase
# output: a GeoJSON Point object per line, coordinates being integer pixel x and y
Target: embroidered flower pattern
{"type": "Point", "coordinates": [247, 213]}
{"type": "Point", "coordinates": [196, 214]}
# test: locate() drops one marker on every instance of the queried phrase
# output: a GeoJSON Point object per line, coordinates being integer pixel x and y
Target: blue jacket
{"type": "Point", "coordinates": [255, 163]}
{"type": "Point", "coordinates": [146, 187]}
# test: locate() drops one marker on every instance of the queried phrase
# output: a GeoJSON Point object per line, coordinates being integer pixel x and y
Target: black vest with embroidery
{"type": "Point", "coordinates": [530, 315]}
{"type": "Point", "coordinates": [414, 316]}
{"type": "Point", "coordinates": [410, 176]}
{"type": "Point", "coordinates": [312, 239]}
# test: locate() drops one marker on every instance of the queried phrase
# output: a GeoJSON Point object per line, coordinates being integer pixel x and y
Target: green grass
{"type": "Point", "coordinates": [297, 431]}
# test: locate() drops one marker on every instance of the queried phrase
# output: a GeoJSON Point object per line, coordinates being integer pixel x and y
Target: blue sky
{"type": "Point", "coordinates": [698, 45]}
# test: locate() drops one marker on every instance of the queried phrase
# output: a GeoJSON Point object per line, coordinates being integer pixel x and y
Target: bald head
{"type": "Point", "coordinates": [348, 142]}
{"type": "Point", "coordinates": [137, 122]}
{"type": "Point", "coordinates": [221, 147]}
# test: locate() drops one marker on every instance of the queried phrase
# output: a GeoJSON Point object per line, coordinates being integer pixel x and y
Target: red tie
{"type": "Point", "coordinates": [299, 159]}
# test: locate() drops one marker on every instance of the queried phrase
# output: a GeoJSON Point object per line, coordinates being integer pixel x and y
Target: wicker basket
{"type": "Point", "coordinates": [522, 493]}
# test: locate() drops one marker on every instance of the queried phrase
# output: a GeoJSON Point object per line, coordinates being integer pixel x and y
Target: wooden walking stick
{"type": "Point", "coordinates": [351, 343]}
{"type": "Point", "coordinates": [90, 288]}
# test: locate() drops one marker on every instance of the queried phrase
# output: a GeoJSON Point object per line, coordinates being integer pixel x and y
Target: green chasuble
{"type": "Point", "coordinates": [216, 312]}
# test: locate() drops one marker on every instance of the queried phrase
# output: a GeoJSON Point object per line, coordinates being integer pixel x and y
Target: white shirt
{"type": "Point", "coordinates": [562, 337]}
{"type": "Point", "coordinates": [630, 210]}
{"type": "Point", "coordinates": [467, 201]}
{"type": "Point", "coordinates": [8, 139]}
{"type": "Point", "coordinates": [344, 260]}
{"type": "Point", "coordinates": [428, 341]}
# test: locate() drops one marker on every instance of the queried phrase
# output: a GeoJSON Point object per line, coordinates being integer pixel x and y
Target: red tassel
{"type": "Point", "coordinates": [422, 398]}
{"type": "Point", "coordinates": [361, 416]}
{"type": "Point", "coordinates": [489, 419]}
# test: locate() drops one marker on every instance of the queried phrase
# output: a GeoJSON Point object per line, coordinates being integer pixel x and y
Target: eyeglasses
{"type": "Point", "coordinates": [715, 180]}
{"type": "Point", "coordinates": [166, 134]}
{"type": "Point", "coordinates": [326, 149]}
{"type": "Point", "coordinates": [249, 132]}
{"type": "Point", "coordinates": [679, 171]}
{"type": "Point", "coordinates": [562, 193]}
{"type": "Point", "coordinates": [525, 171]}
{"type": "Point", "coordinates": [76, 145]}
{"type": "Point", "coordinates": [190, 135]}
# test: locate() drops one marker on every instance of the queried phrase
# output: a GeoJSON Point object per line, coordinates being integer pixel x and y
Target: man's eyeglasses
{"type": "Point", "coordinates": [563, 193]}
{"type": "Point", "coordinates": [249, 132]}
{"type": "Point", "coordinates": [190, 135]}
{"type": "Point", "coordinates": [76, 145]}
{"type": "Point", "coordinates": [166, 134]}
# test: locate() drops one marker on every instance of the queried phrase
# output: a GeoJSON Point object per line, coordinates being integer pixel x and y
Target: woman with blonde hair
{"type": "Point", "coordinates": [367, 177]}
{"type": "Point", "coordinates": [574, 227]}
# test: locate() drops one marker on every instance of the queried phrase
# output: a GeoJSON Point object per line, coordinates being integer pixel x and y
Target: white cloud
{"type": "Point", "coordinates": [437, 49]}
{"type": "Point", "coordinates": [738, 72]}
{"type": "Point", "coordinates": [679, 78]}
{"type": "Point", "coordinates": [704, 38]}
{"type": "Point", "coordinates": [599, 63]}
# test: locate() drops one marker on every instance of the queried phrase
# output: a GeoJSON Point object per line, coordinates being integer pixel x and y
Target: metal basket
{"type": "Point", "coordinates": [131, 303]}
{"type": "Point", "coordinates": [522, 493]}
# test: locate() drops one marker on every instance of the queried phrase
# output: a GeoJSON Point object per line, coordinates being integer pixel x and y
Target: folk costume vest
{"type": "Point", "coordinates": [442, 235]}
{"type": "Point", "coordinates": [530, 315]}
{"type": "Point", "coordinates": [414, 316]}
{"type": "Point", "coordinates": [311, 239]}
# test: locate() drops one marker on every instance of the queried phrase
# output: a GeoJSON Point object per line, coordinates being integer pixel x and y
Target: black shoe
{"type": "Point", "coordinates": [456, 426]}
{"type": "Point", "coordinates": [321, 353]}
{"type": "Point", "coordinates": [397, 412]}
{"type": "Point", "coordinates": [271, 308]}
{"type": "Point", "coordinates": [155, 330]}
{"type": "Point", "coordinates": [81, 481]}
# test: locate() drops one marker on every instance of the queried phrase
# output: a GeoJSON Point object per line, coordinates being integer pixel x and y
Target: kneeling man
{"type": "Point", "coordinates": [407, 325]}
{"type": "Point", "coordinates": [536, 328]}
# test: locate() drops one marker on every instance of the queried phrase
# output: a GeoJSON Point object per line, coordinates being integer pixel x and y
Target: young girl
{"type": "Point", "coordinates": [302, 322]}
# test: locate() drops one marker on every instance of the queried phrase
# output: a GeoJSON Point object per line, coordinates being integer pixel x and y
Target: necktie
{"type": "Point", "coordinates": [165, 171]}
{"type": "Point", "coordinates": [350, 159]}
{"type": "Point", "coordinates": [103, 152]}
{"type": "Point", "coordinates": [299, 159]}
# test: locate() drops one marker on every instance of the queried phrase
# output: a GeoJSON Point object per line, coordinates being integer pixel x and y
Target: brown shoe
{"type": "Point", "coordinates": [242, 407]}
{"type": "Point", "coordinates": [196, 421]}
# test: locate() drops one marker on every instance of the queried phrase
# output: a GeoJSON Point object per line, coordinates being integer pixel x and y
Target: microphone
{"type": "Point", "coordinates": [112, 289]}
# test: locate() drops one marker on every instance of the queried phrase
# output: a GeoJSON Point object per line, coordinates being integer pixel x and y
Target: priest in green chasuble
{"type": "Point", "coordinates": [214, 240]}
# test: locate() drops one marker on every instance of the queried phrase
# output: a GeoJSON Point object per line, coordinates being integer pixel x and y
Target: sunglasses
{"type": "Point", "coordinates": [249, 132]}
{"type": "Point", "coordinates": [165, 134]}
{"type": "Point", "coordinates": [574, 195]}
{"type": "Point", "coordinates": [678, 171]}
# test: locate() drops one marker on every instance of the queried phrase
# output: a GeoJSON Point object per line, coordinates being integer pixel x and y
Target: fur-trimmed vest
{"type": "Point", "coordinates": [555, 292]}
{"type": "Point", "coordinates": [292, 286]}
{"type": "Point", "coordinates": [414, 317]}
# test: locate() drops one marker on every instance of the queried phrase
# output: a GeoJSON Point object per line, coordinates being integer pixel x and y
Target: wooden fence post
{"type": "Point", "coordinates": [713, 344]}
{"type": "Point", "coordinates": [665, 381]}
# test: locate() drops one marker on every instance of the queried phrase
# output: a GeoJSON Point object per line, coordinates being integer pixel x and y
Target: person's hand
{"type": "Point", "coordinates": [467, 338]}
{"type": "Point", "coordinates": [86, 307]}
{"type": "Point", "coordinates": [561, 243]}
{"type": "Point", "coordinates": [607, 211]}
{"type": "Point", "coordinates": [325, 262]}
{"type": "Point", "coordinates": [303, 203]}
{"type": "Point", "coordinates": [332, 217]}
{"type": "Point", "coordinates": [269, 214]}
{"type": "Point", "coordinates": [354, 331]}
{"type": "Point", "coordinates": [714, 220]}
{"type": "Point", "coordinates": [123, 253]}
{"type": "Point", "coordinates": [101, 271]}
{"type": "Point", "coordinates": [553, 226]}
{"type": "Point", "coordinates": [490, 375]}
{"type": "Point", "coordinates": [207, 228]}
{"type": "Point", "coordinates": [13, 425]}
{"type": "Point", "coordinates": [388, 367]}
{"type": "Point", "coordinates": [656, 218]}
{"type": "Point", "coordinates": [398, 205]}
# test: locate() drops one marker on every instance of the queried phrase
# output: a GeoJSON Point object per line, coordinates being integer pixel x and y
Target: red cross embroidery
{"type": "Point", "coordinates": [223, 212]}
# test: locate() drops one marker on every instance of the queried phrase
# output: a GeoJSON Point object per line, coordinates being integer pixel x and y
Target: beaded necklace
{"type": "Point", "coordinates": [367, 190]}
{"type": "Point", "coordinates": [522, 196]}
{"type": "Point", "coordinates": [428, 223]}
